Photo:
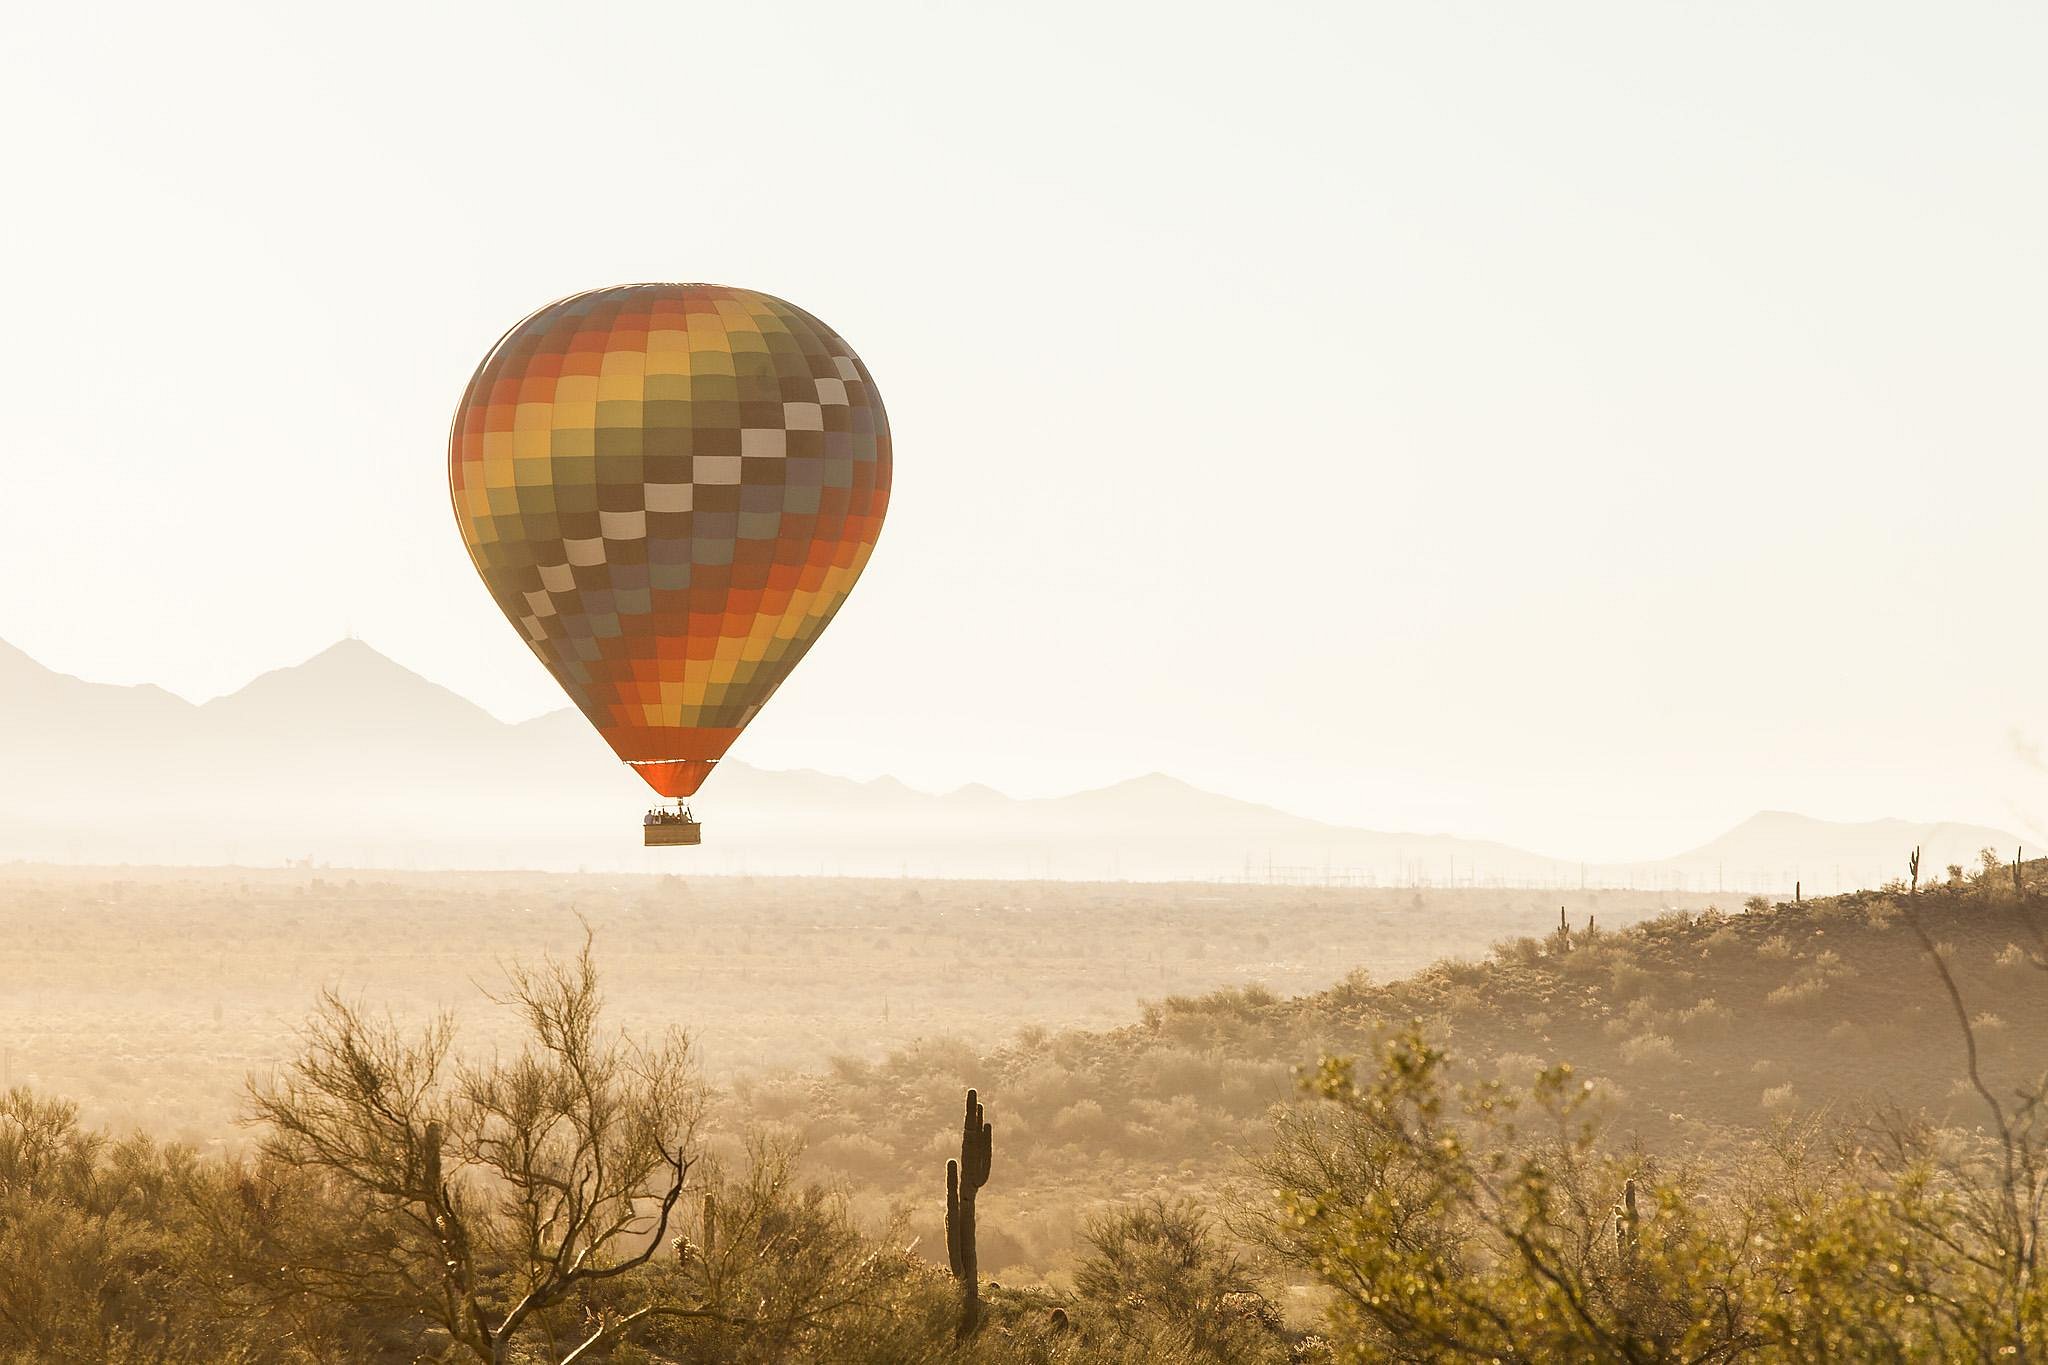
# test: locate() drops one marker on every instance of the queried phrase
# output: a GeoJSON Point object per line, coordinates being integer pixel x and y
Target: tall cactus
{"type": "Point", "coordinates": [964, 1179]}
{"type": "Point", "coordinates": [1626, 1221]}
{"type": "Point", "coordinates": [953, 1216]}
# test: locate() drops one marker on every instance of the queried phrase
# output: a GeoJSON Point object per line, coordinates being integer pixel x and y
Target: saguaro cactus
{"type": "Point", "coordinates": [685, 1248]}
{"type": "Point", "coordinates": [964, 1179]}
{"type": "Point", "coordinates": [1625, 1223]}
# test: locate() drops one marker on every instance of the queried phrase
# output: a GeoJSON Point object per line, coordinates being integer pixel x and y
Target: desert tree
{"type": "Point", "coordinates": [1991, 1215]}
{"type": "Point", "coordinates": [1484, 1223]}
{"type": "Point", "coordinates": [491, 1197]}
{"type": "Point", "coordinates": [91, 1243]}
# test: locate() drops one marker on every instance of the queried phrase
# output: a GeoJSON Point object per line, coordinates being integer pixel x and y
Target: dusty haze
{"type": "Point", "coordinates": [351, 760]}
{"type": "Point", "coordinates": [1578, 429]}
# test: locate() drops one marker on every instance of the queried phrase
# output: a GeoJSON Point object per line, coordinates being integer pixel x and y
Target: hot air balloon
{"type": "Point", "coordinates": [669, 490]}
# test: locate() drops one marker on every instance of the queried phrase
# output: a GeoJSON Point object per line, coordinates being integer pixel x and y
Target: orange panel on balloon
{"type": "Point", "coordinates": [641, 475]}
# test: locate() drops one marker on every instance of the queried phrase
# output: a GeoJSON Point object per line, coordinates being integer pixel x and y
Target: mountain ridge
{"type": "Point", "coordinates": [349, 746]}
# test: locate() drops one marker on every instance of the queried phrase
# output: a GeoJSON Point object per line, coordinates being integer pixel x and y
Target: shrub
{"type": "Point", "coordinates": [1084, 1122]}
{"type": "Point", "coordinates": [1722, 940]}
{"type": "Point", "coordinates": [1630, 982]}
{"type": "Point", "coordinates": [1437, 1233]}
{"type": "Point", "coordinates": [1706, 1019]}
{"type": "Point", "coordinates": [1166, 1072]}
{"type": "Point", "coordinates": [1354, 991]}
{"type": "Point", "coordinates": [1449, 1223]}
{"type": "Point", "coordinates": [1158, 1271]}
{"type": "Point", "coordinates": [1799, 993]}
{"type": "Point", "coordinates": [1653, 1050]}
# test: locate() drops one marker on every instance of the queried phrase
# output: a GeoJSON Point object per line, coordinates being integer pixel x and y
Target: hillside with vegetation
{"type": "Point", "coordinates": [1783, 1132]}
{"type": "Point", "coordinates": [1696, 1031]}
{"type": "Point", "coordinates": [150, 995]}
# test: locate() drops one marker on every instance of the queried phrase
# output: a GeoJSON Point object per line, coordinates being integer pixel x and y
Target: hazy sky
{"type": "Point", "coordinates": [1580, 425]}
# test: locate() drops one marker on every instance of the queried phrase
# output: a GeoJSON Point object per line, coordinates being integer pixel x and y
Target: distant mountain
{"type": "Point", "coordinates": [47, 704]}
{"type": "Point", "coordinates": [346, 690]}
{"type": "Point", "coordinates": [350, 758]}
{"type": "Point", "coordinates": [1826, 855]}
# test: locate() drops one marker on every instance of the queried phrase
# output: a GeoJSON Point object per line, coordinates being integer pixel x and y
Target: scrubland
{"type": "Point", "coordinates": [1761, 1131]}
{"type": "Point", "coordinates": [149, 996]}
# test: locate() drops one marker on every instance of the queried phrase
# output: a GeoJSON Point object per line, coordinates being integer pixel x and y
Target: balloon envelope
{"type": "Point", "coordinates": [669, 489]}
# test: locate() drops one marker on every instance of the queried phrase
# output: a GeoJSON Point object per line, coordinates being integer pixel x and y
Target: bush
{"type": "Point", "coordinates": [1157, 1272]}
{"type": "Point", "coordinates": [1654, 1050]}
{"type": "Point", "coordinates": [1799, 993]}
{"type": "Point", "coordinates": [1707, 1019]}
{"type": "Point", "coordinates": [1439, 1234]}
{"type": "Point", "coordinates": [1480, 1222]}
{"type": "Point", "coordinates": [1083, 1121]}
{"type": "Point", "coordinates": [1629, 982]}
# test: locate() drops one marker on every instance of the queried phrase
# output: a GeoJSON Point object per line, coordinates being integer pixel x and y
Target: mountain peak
{"type": "Point", "coordinates": [352, 678]}
{"type": "Point", "coordinates": [352, 653]}
{"type": "Point", "coordinates": [345, 658]}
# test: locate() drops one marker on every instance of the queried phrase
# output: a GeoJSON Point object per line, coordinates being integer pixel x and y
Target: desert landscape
{"type": "Point", "coordinates": [151, 995]}
{"type": "Point", "coordinates": [1149, 1052]}
{"type": "Point", "coordinates": [1096, 684]}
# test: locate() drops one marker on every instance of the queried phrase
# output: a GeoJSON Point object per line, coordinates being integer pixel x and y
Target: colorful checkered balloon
{"type": "Point", "coordinates": [670, 489]}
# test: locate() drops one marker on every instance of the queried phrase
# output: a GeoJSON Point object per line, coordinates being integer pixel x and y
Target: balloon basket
{"type": "Point", "coordinates": [671, 834]}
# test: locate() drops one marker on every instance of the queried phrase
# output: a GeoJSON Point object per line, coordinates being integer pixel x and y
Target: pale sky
{"type": "Point", "coordinates": [1578, 425]}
